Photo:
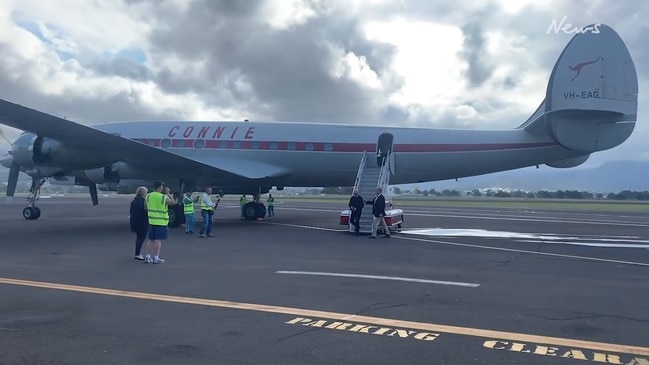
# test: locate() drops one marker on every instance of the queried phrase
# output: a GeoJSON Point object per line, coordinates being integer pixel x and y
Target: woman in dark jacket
{"type": "Point", "coordinates": [139, 220]}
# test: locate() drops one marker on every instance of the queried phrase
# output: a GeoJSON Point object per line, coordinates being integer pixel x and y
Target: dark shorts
{"type": "Point", "coordinates": [158, 232]}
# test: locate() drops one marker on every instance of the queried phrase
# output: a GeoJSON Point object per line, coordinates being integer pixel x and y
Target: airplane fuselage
{"type": "Point", "coordinates": [301, 154]}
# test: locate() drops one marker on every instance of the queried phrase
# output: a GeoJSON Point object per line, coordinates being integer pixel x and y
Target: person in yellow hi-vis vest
{"type": "Point", "coordinates": [271, 205]}
{"type": "Point", "coordinates": [207, 212]}
{"type": "Point", "coordinates": [157, 206]}
{"type": "Point", "coordinates": [243, 201]}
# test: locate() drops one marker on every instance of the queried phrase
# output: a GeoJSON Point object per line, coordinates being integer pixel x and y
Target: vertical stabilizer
{"type": "Point", "coordinates": [592, 97]}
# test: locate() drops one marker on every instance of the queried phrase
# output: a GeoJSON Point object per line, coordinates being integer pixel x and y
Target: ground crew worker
{"type": "Point", "coordinates": [207, 212]}
{"type": "Point", "coordinates": [243, 201]}
{"type": "Point", "coordinates": [157, 207]}
{"type": "Point", "coordinates": [188, 209]}
{"type": "Point", "coordinates": [271, 205]}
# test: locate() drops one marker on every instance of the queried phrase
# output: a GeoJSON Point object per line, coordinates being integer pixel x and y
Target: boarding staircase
{"type": "Point", "coordinates": [369, 177]}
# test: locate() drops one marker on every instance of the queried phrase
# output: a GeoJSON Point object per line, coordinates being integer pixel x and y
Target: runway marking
{"type": "Point", "coordinates": [306, 227]}
{"type": "Point", "coordinates": [479, 246]}
{"type": "Point", "coordinates": [523, 251]}
{"type": "Point", "coordinates": [307, 313]}
{"type": "Point", "coordinates": [530, 237]}
{"type": "Point", "coordinates": [378, 277]}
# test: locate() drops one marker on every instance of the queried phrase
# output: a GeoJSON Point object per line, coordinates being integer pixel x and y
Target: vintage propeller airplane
{"type": "Point", "coordinates": [590, 105]}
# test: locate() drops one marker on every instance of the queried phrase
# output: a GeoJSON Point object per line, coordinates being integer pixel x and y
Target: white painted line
{"type": "Point", "coordinates": [479, 246]}
{"type": "Point", "coordinates": [306, 227]}
{"type": "Point", "coordinates": [378, 277]}
{"type": "Point", "coordinates": [591, 244]}
{"type": "Point", "coordinates": [521, 251]}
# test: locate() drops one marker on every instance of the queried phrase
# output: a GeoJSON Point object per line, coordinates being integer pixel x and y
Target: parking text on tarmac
{"type": "Point", "coordinates": [364, 328]}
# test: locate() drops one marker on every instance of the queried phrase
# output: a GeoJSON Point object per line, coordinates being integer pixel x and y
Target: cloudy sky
{"type": "Point", "coordinates": [456, 64]}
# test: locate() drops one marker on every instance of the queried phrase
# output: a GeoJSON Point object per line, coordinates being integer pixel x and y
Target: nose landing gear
{"type": "Point", "coordinates": [32, 212]}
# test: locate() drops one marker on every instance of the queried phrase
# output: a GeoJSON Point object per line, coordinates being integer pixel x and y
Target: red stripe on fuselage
{"type": "Point", "coordinates": [342, 147]}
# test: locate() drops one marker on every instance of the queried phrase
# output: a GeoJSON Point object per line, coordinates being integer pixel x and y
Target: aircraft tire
{"type": "Point", "coordinates": [31, 213]}
{"type": "Point", "coordinates": [250, 211]}
{"type": "Point", "coordinates": [261, 210]}
{"type": "Point", "coordinates": [176, 216]}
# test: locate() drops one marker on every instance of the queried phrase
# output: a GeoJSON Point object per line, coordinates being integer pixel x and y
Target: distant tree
{"type": "Point", "coordinates": [424, 193]}
{"type": "Point", "coordinates": [346, 190]}
{"type": "Point", "coordinates": [599, 196]}
{"type": "Point", "coordinates": [542, 194]}
{"type": "Point", "coordinates": [530, 195]}
{"type": "Point", "coordinates": [329, 190]}
{"type": "Point", "coordinates": [475, 192]}
{"type": "Point", "coordinates": [620, 196]}
{"type": "Point", "coordinates": [502, 194]}
{"type": "Point", "coordinates": [517, 194]}
{"type": "Point", "coordinates": [573, 194]}
{"type": "Point", "coordinates": [416, 191]}
{"type": "Point", "coordinates": [610, 196]}
{"type": "Point", "coordinates": [587, 195]}
{"type": "Point", "coordinates": [396, 191]}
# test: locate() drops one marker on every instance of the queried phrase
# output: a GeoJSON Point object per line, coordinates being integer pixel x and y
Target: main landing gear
{"type": "Point", "coordinates": [32, 212]}
{"type": "Point", "coordinates": [253, 211]}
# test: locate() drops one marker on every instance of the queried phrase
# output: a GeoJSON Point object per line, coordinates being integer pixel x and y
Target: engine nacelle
{"type": "Point", "coordinates": [31, 151]}
{"type": "Point", "coordinates": [113, 173]}
{"type": "Point", "coordinates": [102, 175]}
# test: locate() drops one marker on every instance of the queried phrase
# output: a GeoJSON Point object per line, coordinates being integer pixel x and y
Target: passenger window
{"type": "Point", "coordinates": [199, 143]}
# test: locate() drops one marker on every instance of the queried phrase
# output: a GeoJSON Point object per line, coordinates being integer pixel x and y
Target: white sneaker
{"type": "Point", "coordinates": [139, 257]}
{"type": "Point", "coordinates": [158, 261]}
{"type": "Point", "coordinates": [148, 260]}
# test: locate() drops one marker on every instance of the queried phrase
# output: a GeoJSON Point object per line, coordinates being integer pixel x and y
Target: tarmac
{"type": "Point", "coordinates": [457, 286]}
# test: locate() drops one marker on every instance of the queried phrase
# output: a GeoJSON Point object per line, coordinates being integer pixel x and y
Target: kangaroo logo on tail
{"type": "Point", "coordinates": [577, 68]}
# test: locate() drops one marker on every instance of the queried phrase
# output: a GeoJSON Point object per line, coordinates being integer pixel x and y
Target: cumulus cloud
{"type": "Point", "coordinates": [466, 64]}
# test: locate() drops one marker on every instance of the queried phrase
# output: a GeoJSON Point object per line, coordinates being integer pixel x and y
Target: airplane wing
{"type": "Point", "coordinates": [116, 148]}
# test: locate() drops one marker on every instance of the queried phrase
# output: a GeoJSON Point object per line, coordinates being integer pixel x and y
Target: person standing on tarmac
{"type": "Point", "coordinates": [378, 211]}
{"type": "Point", "coordinates": [138, 220]}
{"type": "Point", "coordinates": [243, 201]}
{"type": "Point", "coordinates": [207, 212]}
{"type": "Point", "coordinates": [188, 209]}
{"type": "Point", "coordinates": [271, 205]}
{"type": "Point", "coordinates": [356, 205]}
{"type": "Point", "coordinates": [157, 207]}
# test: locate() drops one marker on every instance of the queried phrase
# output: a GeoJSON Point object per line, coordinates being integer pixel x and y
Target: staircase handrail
{"type": "Point", "coordinates": [360, 170]}
{"type": "Point", "coordinates": [384, 173]}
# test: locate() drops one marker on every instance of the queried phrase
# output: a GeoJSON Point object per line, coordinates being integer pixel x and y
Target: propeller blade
{"type": "Point", "coordinates": [93, 193]}
{"type": "Point", "coordinates": [2, 134]}
{"type": "Point", "coordinates": [13, 178]}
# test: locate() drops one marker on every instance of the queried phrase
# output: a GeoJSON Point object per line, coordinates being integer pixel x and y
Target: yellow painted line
{"type": "Point", "coordinates": [465, 331]}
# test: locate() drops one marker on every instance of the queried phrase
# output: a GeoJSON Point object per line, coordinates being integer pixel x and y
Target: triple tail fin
{"type": "Point", "coordinates": [591, 101]}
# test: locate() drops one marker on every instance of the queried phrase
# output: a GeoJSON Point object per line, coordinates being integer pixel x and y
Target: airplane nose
{"type": "Point", "coordinates": [6, 160]}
